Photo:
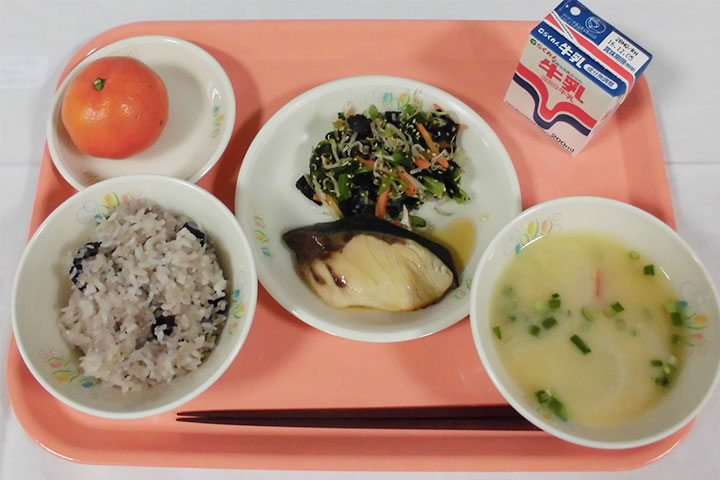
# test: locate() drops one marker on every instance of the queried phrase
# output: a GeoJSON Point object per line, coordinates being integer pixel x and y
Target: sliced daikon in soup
{"type": "Point", "coordinates": [588, 327]}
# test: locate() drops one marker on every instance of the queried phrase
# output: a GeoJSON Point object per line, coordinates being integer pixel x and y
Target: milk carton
{"type": "Point", "coordinates": [575, 72]}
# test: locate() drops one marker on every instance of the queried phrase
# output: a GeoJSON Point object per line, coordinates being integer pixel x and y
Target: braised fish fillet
{"type": "Point", "coordinates": [368, 262]}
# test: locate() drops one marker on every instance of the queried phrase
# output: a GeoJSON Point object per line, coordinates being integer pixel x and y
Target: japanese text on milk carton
{"type": "Point", "coordinates": [574, 73]}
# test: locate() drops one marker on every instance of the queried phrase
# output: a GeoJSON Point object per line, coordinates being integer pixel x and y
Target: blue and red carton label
{"type": "Point", "coordinates": [575, 72]}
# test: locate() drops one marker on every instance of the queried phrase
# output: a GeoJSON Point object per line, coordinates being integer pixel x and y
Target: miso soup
{"type": "Point", "coordinates": [588, 327]}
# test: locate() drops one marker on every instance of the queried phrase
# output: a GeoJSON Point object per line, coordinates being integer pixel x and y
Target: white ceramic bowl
{"type": "Point", "coordinates": [657, 241]}
{"type": "Point", "coordinates": [42, 288]}
{"type": "Point", "coordinates": [200, 120]}
{"type": "Point", "coordinates": [268, 204]}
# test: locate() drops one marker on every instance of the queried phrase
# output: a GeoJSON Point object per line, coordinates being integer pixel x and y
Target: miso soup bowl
{"type": "Point", "coordinates": [42, 289]}
{"type": "Point", "coordinates": [645, 233]}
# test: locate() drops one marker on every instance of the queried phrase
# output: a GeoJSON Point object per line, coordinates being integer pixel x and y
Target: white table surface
{"type": "Point", "coordinates": [38, 37]}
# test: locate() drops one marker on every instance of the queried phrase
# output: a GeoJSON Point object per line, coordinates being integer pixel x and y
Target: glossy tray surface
{"type": "Point", "coordinates": [286, 363]}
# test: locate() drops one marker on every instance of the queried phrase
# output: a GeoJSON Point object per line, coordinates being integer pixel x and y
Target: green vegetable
{"type": "Point", "coordinates": [497, 332]}
{"type": "Point", "coordinates": [417, 222]}
{"type": "Point", "coordinates": [554, 301]}
{"type": "Point", "coordinates": [557, 407]}
{"type": "Point", "coordinates": [586, 313]}
{"type": "Point", "coordinates": [580, 344]}
{"type": "Point", "coordinates": [436, 187]}
{"type": "Point", "coordinates": [649, 270]}
{"type": "Point", "coordinates": [549, 322]}
{"type": "Point", "coordinates": [542, 396]}
{"type": "Point", "coordinates": [656, 363]}
{"type": "Point", "coordinates": [634, 255]}
{"type": "Point", "coordinates": [675, 339]}
{"type": "Point", "coordinates": [344, 186]}
{"type": "Point", "coordinates": [534, 330]}
{"type": "Point", "coordinates": [373, 112]}
{"type": "Point", "coordinates": [617, 306]}
{"type": "Point", "coordinates": [461, 196]}
{"type": "Point", "coordinates": [676, 319]}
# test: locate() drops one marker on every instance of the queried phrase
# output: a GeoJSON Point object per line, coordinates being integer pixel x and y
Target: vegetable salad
{"type": "Point", "coordinates": [386, 164]}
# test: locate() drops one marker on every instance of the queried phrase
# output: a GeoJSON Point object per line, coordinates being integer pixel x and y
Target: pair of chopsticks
{"type": "Point", "coordinates": [473, 417]}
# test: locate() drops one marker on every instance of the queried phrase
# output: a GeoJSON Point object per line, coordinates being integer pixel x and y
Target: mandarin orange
{"type": "Point", "coordinates": [115, 107]}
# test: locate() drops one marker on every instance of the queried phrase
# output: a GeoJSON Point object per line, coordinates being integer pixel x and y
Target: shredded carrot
{"type": "Point", "coordinates": [462, 126]}
{"type": "Point", "coordinates": [421, 163]}
{"type": "Point", "coordinates": [411, 189]}
{"type": "Point", "coordinates": [316, 197]}
{"type": "Point", "coordinates": [444, 145]}
{"type": "Point", "coordinates": [382, 202]}
{"type": "Point", "coordinates": [369, 163]}
{"type": "Point", "coordinates": [436, 106]}
{"type": "Point", "coordinates": [428, 139]}
{"type": "Point", "coordinates": [443, 163]}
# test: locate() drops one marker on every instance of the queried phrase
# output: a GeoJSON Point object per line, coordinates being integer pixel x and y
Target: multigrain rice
{"type": "Point", "coordinates": [148, 297]}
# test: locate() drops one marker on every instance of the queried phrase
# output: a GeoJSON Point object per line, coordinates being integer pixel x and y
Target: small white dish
{"type": "Point", "coordinates": [267, 203]}
{"type": "Point", "coordinates": [200, 121]}
{"type": "Point", "coordinates": [42, 288]}
{"type": "Point", "coordinates": [634, 227]}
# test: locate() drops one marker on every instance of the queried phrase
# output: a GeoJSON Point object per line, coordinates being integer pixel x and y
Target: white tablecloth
{"type": "Point", "coordinates": [38, 37]}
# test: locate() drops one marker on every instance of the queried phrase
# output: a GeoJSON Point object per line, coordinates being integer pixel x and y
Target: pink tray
{"type": "Point", "coordinates": [288, 364]}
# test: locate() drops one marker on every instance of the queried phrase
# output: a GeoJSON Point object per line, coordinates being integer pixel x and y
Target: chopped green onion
{"type": "Point", "coordinates": [586, 313]}
{"type": "Point", "coordinates": [555, 295]}
{"type": "Point", "coordinates": [436, 187]}
{"type": "Point", "coordinates": [549, 322]}
{"type": "Point", "coordinates": [675, 339]}
{"type": "Point", "coordinates": [534, 330]}
{"type": "Point", "coordinates": [634, 255]}
{"type": "Point", "coordinates": [676, 319]}
{"type": "Point", "coordinates": [617, 306]}
{"type": "Point", "coordinates": [649, 270]}
{"type": "Point", "coordinates": [557, 407]}
{"type": "Point", "coordinates": [554, 303]}
{"type": "Point", "coordinates": [497, 332]}
{"type": "Point", "coordinates": [656, 363]}
{"type": "Point", "coordinates": [663, 381]}
{"type": "Point", "coordinates": [580, 344]}
{"type": "Point", "coordinates": [542, 396]}
{"type": "Point", "coordinates": [373, 112]}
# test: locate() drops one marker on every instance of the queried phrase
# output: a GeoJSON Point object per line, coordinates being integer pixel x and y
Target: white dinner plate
{"type": "Point", "coordinates": [267, 204]}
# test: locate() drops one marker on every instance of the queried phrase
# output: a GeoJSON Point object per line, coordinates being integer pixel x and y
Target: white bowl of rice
{"type": "Point", "coordinates": [134, 296]}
